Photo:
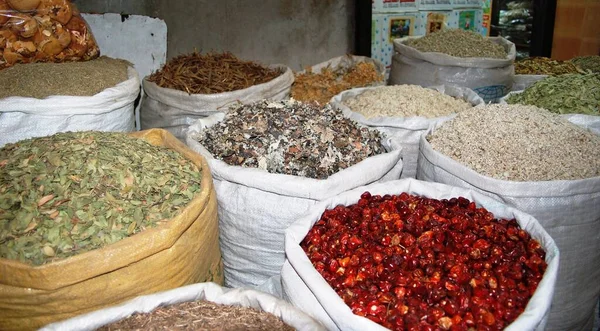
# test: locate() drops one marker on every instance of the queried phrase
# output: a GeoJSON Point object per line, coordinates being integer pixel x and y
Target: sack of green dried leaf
{"type": "Point", "coordinates": [92, 219]}
{"type": "Point", "coordinates": [564, 94]}
{"type": "Point", "coordinates": [192, 86]}
{"type": "Point", "coordinates": [533, 69]}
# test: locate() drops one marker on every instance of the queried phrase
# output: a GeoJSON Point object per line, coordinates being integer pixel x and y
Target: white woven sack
{"type": "Point", "coordinates": [212, 292]}
{"type": "Point", "coordinates": [490, 78]}
{"type": "Point", "coordinates": [567, 209]}
{"type": "Point", "coordinates": [305, 288]}
{"type": "Point", "coordinates": [347, 61]}
{"type": "Point", "coordinates": [110, 110]}
{"type": "Point", "coordinates": [590, 122]}
{"type": "Point", "coordinates": [175, 110]}
{"type": "Point", "coordinates": [406, 130]}
{"type": "Point", "coordinates": [521, 82]}
{"type": "Point", "coordinates": [255, 208]}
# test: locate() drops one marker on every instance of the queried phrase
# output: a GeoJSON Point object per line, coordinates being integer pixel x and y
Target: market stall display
{"type": "Point", "coordinates": [39, 99]}
{"type": "Point", "coordinates": [271, 161]}
{"type": "Point", "coordinates": [323, 81]}
{"type": "Point", "coordinates": [455, 57]}
{"type": "Point", "coordinates": [542, 164]}
{"type": "Point", "coordinates": [203, 306]}
{"type": "Point", "coordinates": [408, 254]}
{"type": "Point", "coordinates": [404, 112]}
{"type": "Point", "coordinates": [590, 62]}
{"type": "Point", "coordinates": [86, 212]}
{"type": "Point", "coordinates": [43, 31]}
{"type": "Point", "coordinates": [192, 86]}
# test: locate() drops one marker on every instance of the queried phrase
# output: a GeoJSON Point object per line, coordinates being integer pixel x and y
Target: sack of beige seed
{"type": "Point", "coordinates": [542, 164]}
{"type": "Point", "coordinates": [40, 99]}
{"type": "Point", "coordinates": [405, 112]}
{"type": "Point", "coordinates": [455, 57]}
{"type": "Point", "coordinates": [93, 219]}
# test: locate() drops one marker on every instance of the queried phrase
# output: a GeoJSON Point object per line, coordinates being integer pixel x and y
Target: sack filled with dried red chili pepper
{"type": "Point", "coordinates": [412, 255]}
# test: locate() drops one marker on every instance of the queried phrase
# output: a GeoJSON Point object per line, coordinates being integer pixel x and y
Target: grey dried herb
{"type": "Point", "coordinates": [290, 137]}
{"type": "Point", "coordinates": [74, 192]}
{"type": "Point", "coordinates": [458, 43]}
{"type": "Point", "coordinates": [564, 94]}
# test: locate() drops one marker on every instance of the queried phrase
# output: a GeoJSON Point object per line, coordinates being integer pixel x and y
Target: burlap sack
{"type": "Point", "coordinates": [181, 252]}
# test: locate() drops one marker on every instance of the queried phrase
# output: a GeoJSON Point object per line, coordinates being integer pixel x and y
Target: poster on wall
{"type": "Point", "coordinates": [387, 27]}
{"type": "Point", "coordinates": [393, 5]}
{"type": "Point", "coordinates": [469, 19]}
{"type": "Point", "coordinates": [487, 17]}
{"type": "Point", "coordinates": [433, 21]}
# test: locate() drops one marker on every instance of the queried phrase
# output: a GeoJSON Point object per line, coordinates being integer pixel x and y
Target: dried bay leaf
{"type": "Point", "coordinates": [74, 192]}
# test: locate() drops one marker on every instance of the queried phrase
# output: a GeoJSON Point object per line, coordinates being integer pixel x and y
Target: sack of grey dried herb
{"type": "Point", "coordinates": [590, 122]}
{"type": "Point", "coordinates": [532, 143]}
{"type": "Point", "coordinates": [491, 78]}
{"type": "Point", "coordinates": [110, 110]}
{"type": "Point", "coordinates": [405, 112]}
{"type": "Point", "coordinates": [211, 292]}
{"type": "Point", "coordinates": [175, 109]}
{"type": "Point", "coordinates": [256, 206]}
{"type": "Point", "coordinates": [182, 250]}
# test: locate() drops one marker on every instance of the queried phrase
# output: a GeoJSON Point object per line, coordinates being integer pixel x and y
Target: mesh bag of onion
{"type": "Point", "coordinates": [407, 254]}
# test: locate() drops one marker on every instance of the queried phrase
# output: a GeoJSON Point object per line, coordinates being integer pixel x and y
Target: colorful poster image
{"type": "Point", "coordinates": [466, 20]}
{"type": "Point", "coordinates": [436, 22]}
{"type": "Point", "coordinates": [401, 26]}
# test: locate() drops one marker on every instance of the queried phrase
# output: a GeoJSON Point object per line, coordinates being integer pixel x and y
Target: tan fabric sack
{"type": "Point", "coordinates": [180, 252]}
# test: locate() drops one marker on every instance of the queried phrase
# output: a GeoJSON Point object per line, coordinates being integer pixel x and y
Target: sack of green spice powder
{"type": "Point", "coordinates": [110, 110]}
{"type": "Point", "coordinates": [182, 250]}
{"type": "Point", "coordinates": [174, 109]}
{"type": "Point", "coordinates": [256, 206]}
{"type": "Point", "coordinates": [491, 78]}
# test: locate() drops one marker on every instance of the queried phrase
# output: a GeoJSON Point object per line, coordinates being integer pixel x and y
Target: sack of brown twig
{"type": "Point", "coordinates": [192, 86]}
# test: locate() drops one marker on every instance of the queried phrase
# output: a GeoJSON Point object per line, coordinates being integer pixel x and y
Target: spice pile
{"type": "Point", "coordinates": [591, 63]}
{"type": "Point", "coordinates": [200, 315]}
{"type": "Point", "coordinates": [544, 66]}
{"type": "Point", "coordinates": [323, 86]}
{"type": "Point", "coordinates": [519, 143]}
{"type": "Point", "coordinates": [74, 192]}
{"type": "Point", "coordinates": [211, 73]}
{"type": "Point", "coordinates": [405, 101]}
{"type": "Point", "coordinates": [290, 137]}
{"type": "Point", "coordinates": [415, 263]}
{"type": "Point", "coordinates": [43, 31]}
{"type": "Point", "coordinates": [40, 80]}
{"type": "Point", "coordinates": [564, 94]}
{"type": "Point", "coordinates": [458, 43]}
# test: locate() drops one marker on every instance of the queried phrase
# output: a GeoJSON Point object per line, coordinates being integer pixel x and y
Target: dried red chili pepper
{"type": "Point", "coordinates": [413, 263]}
